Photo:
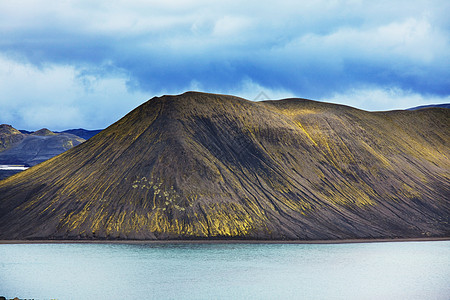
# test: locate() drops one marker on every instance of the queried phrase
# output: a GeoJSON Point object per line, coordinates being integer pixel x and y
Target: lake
{"type": "Point", "coordinates": [9, 170]}
{"type": "Point", "coordinates": [394, 270]}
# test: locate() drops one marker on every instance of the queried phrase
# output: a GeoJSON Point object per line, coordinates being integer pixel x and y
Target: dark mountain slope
{"type": "Point", "coordinates": [201, 165]}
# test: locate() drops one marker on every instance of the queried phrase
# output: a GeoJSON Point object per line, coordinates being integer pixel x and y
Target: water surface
{"type": "Point", "coordinates": [401, 270]}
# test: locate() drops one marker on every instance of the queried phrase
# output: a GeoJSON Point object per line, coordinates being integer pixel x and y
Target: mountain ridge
{"type": "Point", "coordinates": [30, 149]}
{"type": "Point", "coordinates": [201, 165]}
{"type": "Point", "coordinates": [443, 105]}
{"type": "Point", "coordinates": [82, 133]}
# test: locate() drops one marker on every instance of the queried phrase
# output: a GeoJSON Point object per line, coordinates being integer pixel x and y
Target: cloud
{"type": "Point", "coordinates": [250, 90]}
{"type": "Point", "coordinates": [230, 26]}
{"type": "Point", "coordinates": [312, 49]}
{"type": "Point", "coordinates": [377, 99]}
{"type": "Point", "coordinates": [60, 97]}
{"type": "Point", "coordinates": [410, 54]}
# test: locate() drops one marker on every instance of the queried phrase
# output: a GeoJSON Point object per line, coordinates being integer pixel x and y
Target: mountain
{"type": "Point", "coordinates": [9, 136]}
{"type": "Point", "coordinates": [82, 133]}
{"type": "Point", "coordinates": [213, 166]}
{"type": "Point", "coordinates": [17, 148]}
{"type": "Point", "coordinates": [25, 131]}
{"type": "Point", "coordinates": [43, 132]}
{"type": "Point", "coordinates": [445, 105]}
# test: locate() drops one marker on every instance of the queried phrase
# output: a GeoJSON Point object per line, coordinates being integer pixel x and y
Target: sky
{"type": "Point", "coordinates": [71, 64]}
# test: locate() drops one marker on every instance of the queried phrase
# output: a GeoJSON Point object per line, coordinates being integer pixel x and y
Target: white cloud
{"type": "Point", "coordinates": [412, 40]}
{"type": "Point", "coordinates": [230, 25]}
{"type": "Point", "coordinates": [380, 99]}
{"type": "Point", "coordinates": [58, 97]}
{"type": "Point", "coordinates": [251, 90]}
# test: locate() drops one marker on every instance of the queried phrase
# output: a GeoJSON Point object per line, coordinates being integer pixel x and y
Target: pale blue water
{"type": "Point", "coordinates": [401, 270]}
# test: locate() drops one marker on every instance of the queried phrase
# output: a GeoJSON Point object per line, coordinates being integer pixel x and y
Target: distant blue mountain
{"type": "Point", "coordinates": [82, 133]}
{"type": "Point", "coordinates": [445, 105]}
{"type": "Point", "coordinates": [25, 131]}
{"type": "Point", "coordinates": [28, 148]}
{"type": "Point", "coordinates": [18, 148]}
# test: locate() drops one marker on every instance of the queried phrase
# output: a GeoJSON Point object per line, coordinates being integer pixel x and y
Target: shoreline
{"type": "Point", "coordinates": [225, 241]}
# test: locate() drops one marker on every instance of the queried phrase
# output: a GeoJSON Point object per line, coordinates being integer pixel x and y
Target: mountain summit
{"type": "Point", "coordinates": [214, 166]}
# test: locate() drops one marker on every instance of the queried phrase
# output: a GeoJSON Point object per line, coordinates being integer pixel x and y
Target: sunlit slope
{"type": "Point", "coordinates": [201, 165]}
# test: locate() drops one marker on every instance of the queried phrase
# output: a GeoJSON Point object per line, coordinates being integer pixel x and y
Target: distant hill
{"type": "Point", "coordinates": [33, 151]}
{"type": "Point", "coordinates": [80, 132]}
{"type": "Point", "coordinates": [446, 105]}
{"type": "Point", "coordinates": [83, 133]}
{"type": "Point", "coordinates": [9, 136]}
{"type": "Point", "coordinates": [202, 166]}
{"type": "Point", "coordinates": [44, 132]}
{"type": "Point", "coordinates": [25, 131]}
{"type": "Point", "coordinates": [17, 148]}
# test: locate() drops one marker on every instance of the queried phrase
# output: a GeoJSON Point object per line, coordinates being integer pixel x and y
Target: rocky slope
{"type": "Point", "coordinates": [213, 166]}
